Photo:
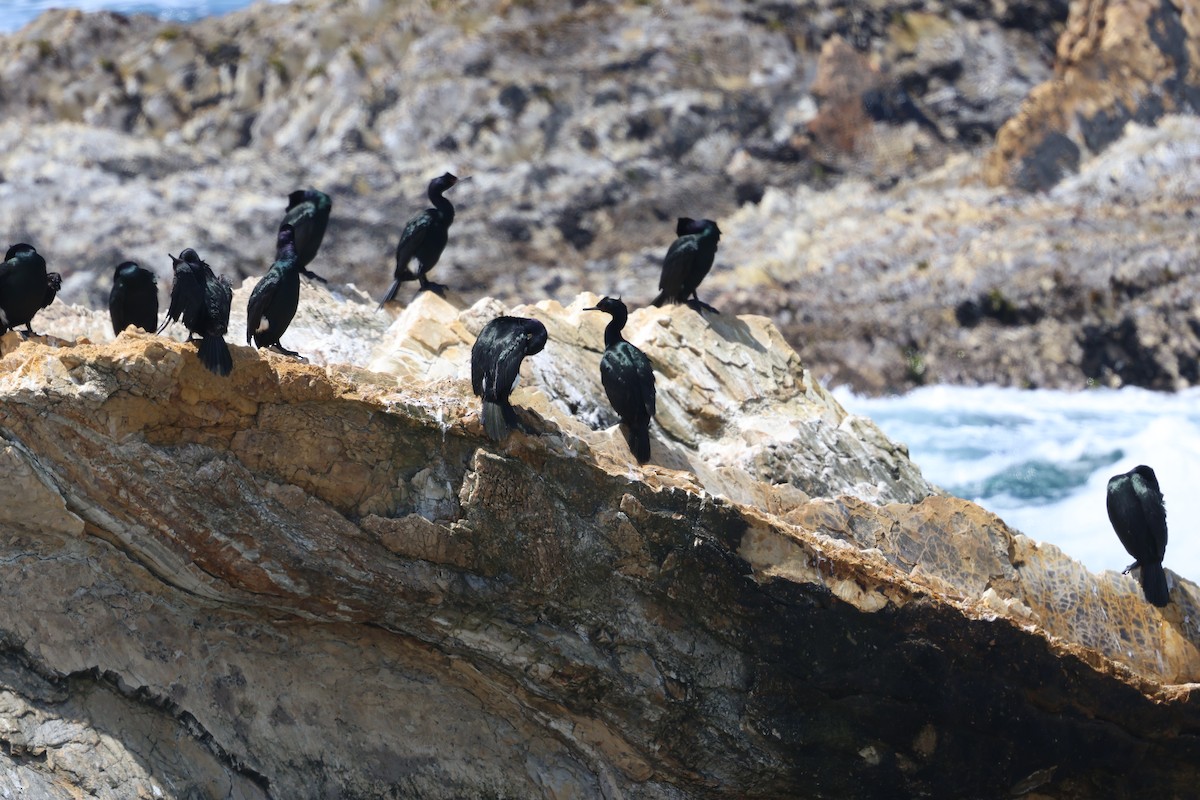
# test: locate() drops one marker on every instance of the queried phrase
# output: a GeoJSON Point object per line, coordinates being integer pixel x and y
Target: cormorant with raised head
{"type": "Point", "coordinates": [273, 301]}
{"type": "Point", "coordinates": [495, 361]}
{"type": "Point", "coordinates": [308, 215]}
{"type": "Point", "coordinates": [424, 238]}
{"type": "Point", "coordinates": [134, 298]}
{"type": "Point", "coordinates": [202, 299]}
{"type": "Point", "coordinates": [25, 287]}
{"type": "Point", "coordinates": [1138, 515]}
{"type": "Point", "coordinates": [628, 379]}
{"type": "Point", "coordinates": [687, 261]}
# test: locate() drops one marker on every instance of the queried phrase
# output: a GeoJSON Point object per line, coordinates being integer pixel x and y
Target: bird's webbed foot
{"type": "Point", "coordinates": [429, 286]}
{"type": "Point", "coordinates": [698, 305]}
{"type": "Point", "coordinates": [283, 351]}
{"type": "Point", "coordinates": [314, 276]}
{"type": "Point", "coordinates": [1128, 569]}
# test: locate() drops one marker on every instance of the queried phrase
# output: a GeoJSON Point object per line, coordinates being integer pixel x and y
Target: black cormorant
{"type": "Point", "coordinates": [25, 287]}
{"type": "Point", "coordinates": [308, 214]}
{"type": "Point", "coordinates": [424, 238]}
{"type": "Point", "coordinates": [687, 261]}
{"type": "Point", "coordinates": [628, 379]}
{"type": "Point", "coordinates": [1137, 513]}
{"type": "Point", "coordinates": [495, 361]}
{"type": "Point", "coordinates": [273, 301]}
{"type": "Point", "coordinates": [202, 299]}
{"type": "Point", "coordinates": [133, 299]}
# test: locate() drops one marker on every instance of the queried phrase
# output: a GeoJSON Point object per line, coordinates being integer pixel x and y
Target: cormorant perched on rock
{"type": "Point", "coordinates": [134, 298]}
{"type": "Point", "coordinates": [1137, 513]}
{"type": "Point", "coordinates": [688, 260]}
{"type": "Point", "coordinates": [273, 301]}
{"type": "Point", "coordinates": [25, 287]}
{"type": "Point", "coordinates": [203, 300]}
{"type": "Point", "coordinates": [308, 214]}
{"type": "Point", "coordinates": [424, 238]}
{"type": "Point", "coordinates": [495, 361]}
{"type": "Point", "coordinates": [628, 379]}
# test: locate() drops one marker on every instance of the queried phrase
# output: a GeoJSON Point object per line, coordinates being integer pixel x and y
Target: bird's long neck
{"type": "Point", "coordinates": [612, 333]}
{"type": "Point", "coordinates": [442, 205]}
{"type": "Point", "coordinates": [286, 252]}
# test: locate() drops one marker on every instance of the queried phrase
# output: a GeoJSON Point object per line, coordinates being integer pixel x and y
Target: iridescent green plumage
{"type": "Point", "coordinates": [628, 379]}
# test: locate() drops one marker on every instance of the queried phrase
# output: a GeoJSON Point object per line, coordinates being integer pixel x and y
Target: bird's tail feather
{"type": "Point", "coordinates": [496, 419]}
{"type": "Point", "coordinates": [391, 293]}
{"type": "Point", "coordinates": [658, 301]}
{"type": "Point", "coordinates": [1154, 584]}
{"type": "Point", "coordinates": [215, 355]}
{"type": "Point", "coordinates": [639, 442]}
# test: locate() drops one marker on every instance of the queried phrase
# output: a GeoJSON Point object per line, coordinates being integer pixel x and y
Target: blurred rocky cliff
{"type": "Point", "coordinates": [313, 580]}
{"type": "Point", "coordinates": [845, 149]}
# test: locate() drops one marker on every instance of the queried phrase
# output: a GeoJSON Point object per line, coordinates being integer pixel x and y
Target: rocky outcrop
{"type": "Point", "coordinates": [1118, 61]}
{"type": "Point", "coordinates": [835, 144]}
{"type": "Point", "coordinates": [319, 578]}
{"type": "Point", "coordinates": [945, 281]}
{"type": "Point", "coordinates": [588, 129]}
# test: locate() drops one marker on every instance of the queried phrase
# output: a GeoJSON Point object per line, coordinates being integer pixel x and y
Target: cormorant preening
{"type": "Point", "coordinates": [628, 379]}
{"type": "Point", "coordinates": [1137, 513]}
{"type": "Point", "coordinates": [424, 238]}
{"type": "Point", "coordinates": [495, 360]}
{"type": "Point", "coordinates": [273, 301]}
{"type": "Point", "coordinates": [25, 287]}
{"type": "Point", "coordinates": [133, 299]}
{"type": "Point", "coordinates": [308, 214]}
{"type": "Point", "coordinates": [203, 300]}
{"type": "Point", "coordinates": [687, 261]}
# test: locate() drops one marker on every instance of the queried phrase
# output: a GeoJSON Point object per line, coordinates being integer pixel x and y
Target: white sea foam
{"type": "Point", "coordinates": [1041, 459]}
{"type": "Point", "coordinates": [16, 13]}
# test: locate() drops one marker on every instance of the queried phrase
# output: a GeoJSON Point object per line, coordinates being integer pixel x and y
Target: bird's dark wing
{"type": "Point", "coordinates": [186, 292]}
{"type": "Point", "coordinates": [260, 299]}
{"type": "Point", "coordinates": [414, 235]}
{"type": "Point", "coordinates": [53, 286]}
{"type": "Point", "coordinates": [676, 263]}
{"type": "Point", "coordinates": [217, 300]}
{"type": "Point", "coordinates": [1154, 513]}
{"type": "Point", "coordinates": [509, 352]}
{"type": "Point", "coordinates": [628, 381]}
{"type": "Point", "coordinates": [646, 381]}
{"type": "Point", "coordinates": [116, 306]}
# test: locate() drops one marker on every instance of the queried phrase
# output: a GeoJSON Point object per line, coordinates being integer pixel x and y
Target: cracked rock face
{"type": "Point", "coordinates": [315, 579]}
{"type": "Point", "coordinates": [1118, 61]}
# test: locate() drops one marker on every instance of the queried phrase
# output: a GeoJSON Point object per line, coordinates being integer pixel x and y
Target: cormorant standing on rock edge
{"type": "Point", "coordinates": [495, 361]}
{"type": "Point", "coordinates": [203, 300]}
{"type": "Point", "coordinates": [1138, 515]}
{"type": "Point", "coordinates": [628, 379]}
{"type": "Point", "coordinates": [424, 238]}
{"type": "Point", "coordinates": [308, 215]}
{"type": "Point", "coordinates": [273, 301]}
{"type": "Point", "coordinates": [25, 287]}
{"type": "Point", "coordinates": [687, 261]}
{"type": "Point", "coordinates": [133, 299]}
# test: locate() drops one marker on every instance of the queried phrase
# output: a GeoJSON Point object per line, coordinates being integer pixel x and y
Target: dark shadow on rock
{"type": "Point", "coordinates": [733, 329]}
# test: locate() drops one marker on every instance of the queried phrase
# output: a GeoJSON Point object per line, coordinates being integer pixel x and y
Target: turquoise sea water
{"type": "Point", "coordinates": [16, 13]}
{"type": "Point", "coordinates": [1042, 459]}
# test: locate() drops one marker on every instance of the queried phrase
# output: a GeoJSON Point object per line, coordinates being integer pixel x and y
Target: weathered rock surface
{"type": "Point", "coordinates": [837, 145]}
{"type": "Point", "coordinates": [315, 579]}
{"type": "Point", "coordinates": [942, 280]}
{"type": "Point", "coordinates": [1118, 61]}
{"type": "Point", "coordinates": [587, 129]}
